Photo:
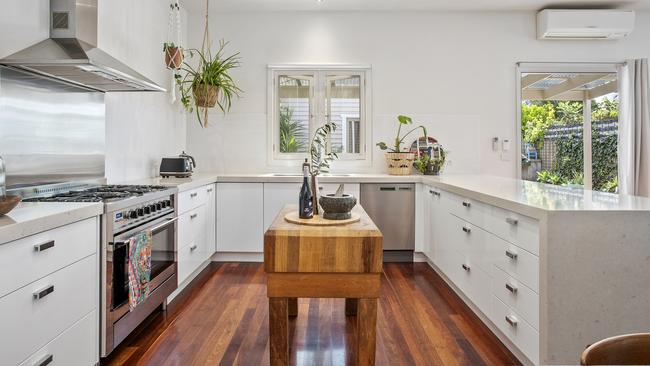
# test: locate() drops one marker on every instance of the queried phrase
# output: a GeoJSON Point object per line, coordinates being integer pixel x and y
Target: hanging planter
{"type": "Point", "coordinates": [205, 95]}
{"type": "Point", "coordinates": [173, 56]}
{"type": "Point", "coordinates": [209, 84]}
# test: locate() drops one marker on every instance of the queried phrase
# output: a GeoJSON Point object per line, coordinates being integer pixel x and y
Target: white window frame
{"type": "Point", "coordinates": [319, 112]}
{"type": "Point", "coordinates": [559, 67]}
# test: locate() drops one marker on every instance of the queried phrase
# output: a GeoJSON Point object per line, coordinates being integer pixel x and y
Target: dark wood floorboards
{"type": "Point", "coordinates": [223, 320]}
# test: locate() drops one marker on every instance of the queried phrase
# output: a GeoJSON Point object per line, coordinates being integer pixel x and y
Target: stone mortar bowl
{"type": "Point", "coordinates": [337, 208]}
{"type": "Point", "coordinates": [8, 203]}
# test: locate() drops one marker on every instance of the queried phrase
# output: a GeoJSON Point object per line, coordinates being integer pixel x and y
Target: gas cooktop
{"type": "Point", "coordinates": [105, 193]}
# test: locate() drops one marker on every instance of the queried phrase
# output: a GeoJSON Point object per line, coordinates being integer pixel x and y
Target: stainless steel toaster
{"type": "Point", "coordinates": [180, 166]}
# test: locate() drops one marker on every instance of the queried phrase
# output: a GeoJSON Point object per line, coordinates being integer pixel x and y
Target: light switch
{"type": "Point", "coordinates": [505, 145]}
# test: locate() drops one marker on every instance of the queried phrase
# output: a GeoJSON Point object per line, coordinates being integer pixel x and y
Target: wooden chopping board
{"type": "Point", "coordinates": [318, 220]}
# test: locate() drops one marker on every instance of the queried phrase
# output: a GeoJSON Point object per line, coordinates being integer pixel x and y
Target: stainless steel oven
{"type": "Point", "coordinates": [159, 217]}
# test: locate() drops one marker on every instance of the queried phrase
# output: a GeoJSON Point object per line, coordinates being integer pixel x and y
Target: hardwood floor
{"type": "Point", "coordinates": [224, 320]}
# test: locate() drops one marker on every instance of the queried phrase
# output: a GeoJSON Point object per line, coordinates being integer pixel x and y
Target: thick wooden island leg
{"type": "Point", "coordinates": [366, 331]}
{"type": "Point", "coordinates": [279, 330]}
{"type": "Point", "coordinates": [293, 306]}
{"type": "Point", "coordinates": [351, 306]}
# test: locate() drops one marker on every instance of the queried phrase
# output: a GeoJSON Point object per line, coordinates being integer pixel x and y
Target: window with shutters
{"type": "Point", "coordinates": [302, 98]}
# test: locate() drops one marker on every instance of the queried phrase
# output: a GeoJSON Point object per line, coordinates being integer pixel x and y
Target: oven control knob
{"type": "Point", "coordinates": [140, 212]}
{"type": "Point", "coordinates": [159, 206]}
{"type": "Point", "coordinates": [169, 203]}
{"type": "Point", "coordinates": [152, 208]}
{"type": "Point", "coordinates": [147, 210]}
{"type": "Point", "coordinates": [133, 214]}
{"type": "Point", "coordinates": [163, 203]}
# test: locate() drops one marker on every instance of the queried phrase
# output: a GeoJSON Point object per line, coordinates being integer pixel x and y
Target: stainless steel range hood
{"type": "Point", "coordinates": [71, 55]}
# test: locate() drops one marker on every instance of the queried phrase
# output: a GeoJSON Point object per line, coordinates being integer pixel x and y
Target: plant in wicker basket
{"type": "Point", "coordinates": [400, 163]}
{"type": "Point", "coordinates": [210, 83]}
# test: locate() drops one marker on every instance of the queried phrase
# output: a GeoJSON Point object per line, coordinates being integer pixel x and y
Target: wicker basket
{"type": "Point", "coordinates": [205, 95]}
{"type": "Point", "coordinates": [399, 163]}
{"type": "Point", "coordinates": [173, 58]}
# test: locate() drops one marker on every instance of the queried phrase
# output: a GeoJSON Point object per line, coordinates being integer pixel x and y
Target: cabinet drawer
{"type": "Point", "coordinates": [471, 280]}
{"type": "Point", "coordinates": [468, 239]}
{"type": "Point", "coordinates": [77, 346]}
{"type": "Point", "coordinates": [191, 226]}
{"type": "Point", "coordinates": [28, 323]}
{"type": "Point", "coordinates": [193, 198]}
{"type": "Point", "coordinates": [28, 259]}
{"type": "Point", "coordinates": [467, 209]}
{"type": "Point", "coordinates": [190, 258]}
{"type": "Point", "coordinates": [517, 262]}
{"type": "Point", "coordinates": [522, 334]}
{"type": "Point", "coordinates": [517, 296]}
{"type": "Point", "coordinates": [515, 228]}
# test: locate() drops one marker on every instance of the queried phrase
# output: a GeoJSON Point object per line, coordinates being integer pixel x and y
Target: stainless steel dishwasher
{"type": "Point", "coordinates": [392, 207]}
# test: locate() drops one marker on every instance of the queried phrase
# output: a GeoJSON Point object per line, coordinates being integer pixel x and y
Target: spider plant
{"type": "Point", "coordinates": [210, 82]}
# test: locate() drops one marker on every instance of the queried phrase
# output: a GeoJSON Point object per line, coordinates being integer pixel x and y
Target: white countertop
{"type": "Point", "coordinates": [525, 197]}
{"type": "Point", "coordinates": [30, 218]}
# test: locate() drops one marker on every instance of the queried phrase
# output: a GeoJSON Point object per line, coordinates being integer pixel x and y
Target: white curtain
{"type": "Point", "coordinates": [634, 129]}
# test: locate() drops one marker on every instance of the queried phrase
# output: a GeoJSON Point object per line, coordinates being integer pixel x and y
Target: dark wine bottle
{"type": "Point", "coordinates": [306, 204]}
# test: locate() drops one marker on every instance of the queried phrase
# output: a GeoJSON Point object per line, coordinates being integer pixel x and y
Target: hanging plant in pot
{"type": "Point", "coordinates": [210, 83]}
{"type": "Point", "coordinates": [173, 55]}
{"type": "Point", "coordinates": [400, 163]}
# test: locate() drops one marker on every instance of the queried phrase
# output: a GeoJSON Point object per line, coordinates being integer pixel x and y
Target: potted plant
{"type": "Point", "coordinates": [173, 55]}
{"type": "Point", "coordinates": [432, 162]}
{"type": "Point", "coordinates": [210, 83]}
{"type": "Point", "coordinates": [400, 163]}
{"type": "Point", "coordinates": [320, 158]}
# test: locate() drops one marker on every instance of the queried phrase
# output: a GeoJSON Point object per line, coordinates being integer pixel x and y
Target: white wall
{"type": "Point", "coordinates": [140, 127]}
{"type": "Point", "coordinates": [454, 72]}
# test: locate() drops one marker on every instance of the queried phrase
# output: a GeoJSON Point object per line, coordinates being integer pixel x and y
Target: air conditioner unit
{"type": "Point", "coordinates": [584, 24]}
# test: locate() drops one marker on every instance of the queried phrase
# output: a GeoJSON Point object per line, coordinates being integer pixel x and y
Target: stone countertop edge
{"type": "Point", "coordinates": [527, 198]}
{"type": "Point", "coordinates": [35, 217]}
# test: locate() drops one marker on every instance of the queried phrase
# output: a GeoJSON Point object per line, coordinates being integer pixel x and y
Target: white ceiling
{"type": "Point", "coordinates": [408, 5]}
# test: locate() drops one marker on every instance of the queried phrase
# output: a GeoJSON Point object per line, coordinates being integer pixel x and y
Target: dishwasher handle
{"type": "Point", "coordinates": [395, 188]}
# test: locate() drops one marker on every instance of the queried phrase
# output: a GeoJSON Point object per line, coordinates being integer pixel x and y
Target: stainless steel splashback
{"type": "Point", "coordinates": [49, 132]}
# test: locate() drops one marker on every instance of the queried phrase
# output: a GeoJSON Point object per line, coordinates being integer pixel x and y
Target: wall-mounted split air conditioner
{"type": "Point", "coordinates": [584, 24]}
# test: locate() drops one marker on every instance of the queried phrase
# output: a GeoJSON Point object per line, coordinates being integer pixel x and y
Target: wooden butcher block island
{"type": "Point", "coordinates": [323, 262]}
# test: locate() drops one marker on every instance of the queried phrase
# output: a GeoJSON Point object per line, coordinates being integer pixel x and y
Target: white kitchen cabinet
{"type": "Point", "coordinates": [468, 244]}
{"type": "Point", "coordinates": [76, 346]}
{"type": "Point", "coordinates": [196, 230]}
{"type": "Point", "coordinates": [211, 218]}
{"type": "Point", "coordinates": [240, 217]}
{"type": "Point", "coordinates": [49, 283]}
{"type": "Point", "coordinates": [276, 196]}
{"type": "Point", "coordinates": [29, 322]}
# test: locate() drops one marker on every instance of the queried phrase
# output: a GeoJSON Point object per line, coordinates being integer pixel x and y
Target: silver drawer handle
{"type": "Point", "coordinates": [320, 188]}
{"type": "Point", "coordinates": [44, 246]}
{"type": "Point", "coordinates": [512, 221]}
{"type": "Point", "coordinates": [512, 320]}
{"type": "Point", "coordinates": [193, 247]}
{"type": "Point", "coordinates": [466, 267]}
{"type": "Point", "coordinates": [209, 190]}
{"type": "Point", "coordinates": [193, 216]}
{"type": "Point", "coordinates": [192, 195]}
{"type": "Point", "coordinates": [432, 191]}
{"type": "Point", "coordinates": [43, 292]}
{"type": "Point", "coordinates": [511, 255]}
{"type": "Point", "coordinates": [466, 204]}
{"type": "Point", "coordinates": [511, 288]}
{"type": "Point", "coordinates": [46, 360]}
{"type": "Point", "coordinates": [435, 193]}
{"type": "Point", "coordinates": [466, 229]}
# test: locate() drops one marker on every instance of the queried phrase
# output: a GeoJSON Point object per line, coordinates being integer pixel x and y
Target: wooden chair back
{"type": "Point", "coordinates": [628, 349]}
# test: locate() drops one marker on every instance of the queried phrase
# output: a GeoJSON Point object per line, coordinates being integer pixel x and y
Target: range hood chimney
{"type": "Point", "coordinates": [71, 55]}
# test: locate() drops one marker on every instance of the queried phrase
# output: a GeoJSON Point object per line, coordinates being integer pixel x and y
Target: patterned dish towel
{"type": "Point", "coordinates": [139, 268]}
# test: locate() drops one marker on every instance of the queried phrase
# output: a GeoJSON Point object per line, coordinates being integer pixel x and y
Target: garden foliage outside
{"type": "Point", "coordinates": [538, 117]}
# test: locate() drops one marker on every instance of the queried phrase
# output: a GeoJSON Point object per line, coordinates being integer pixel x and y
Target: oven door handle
{"type": "Point", "coordinates": [163, 225]}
